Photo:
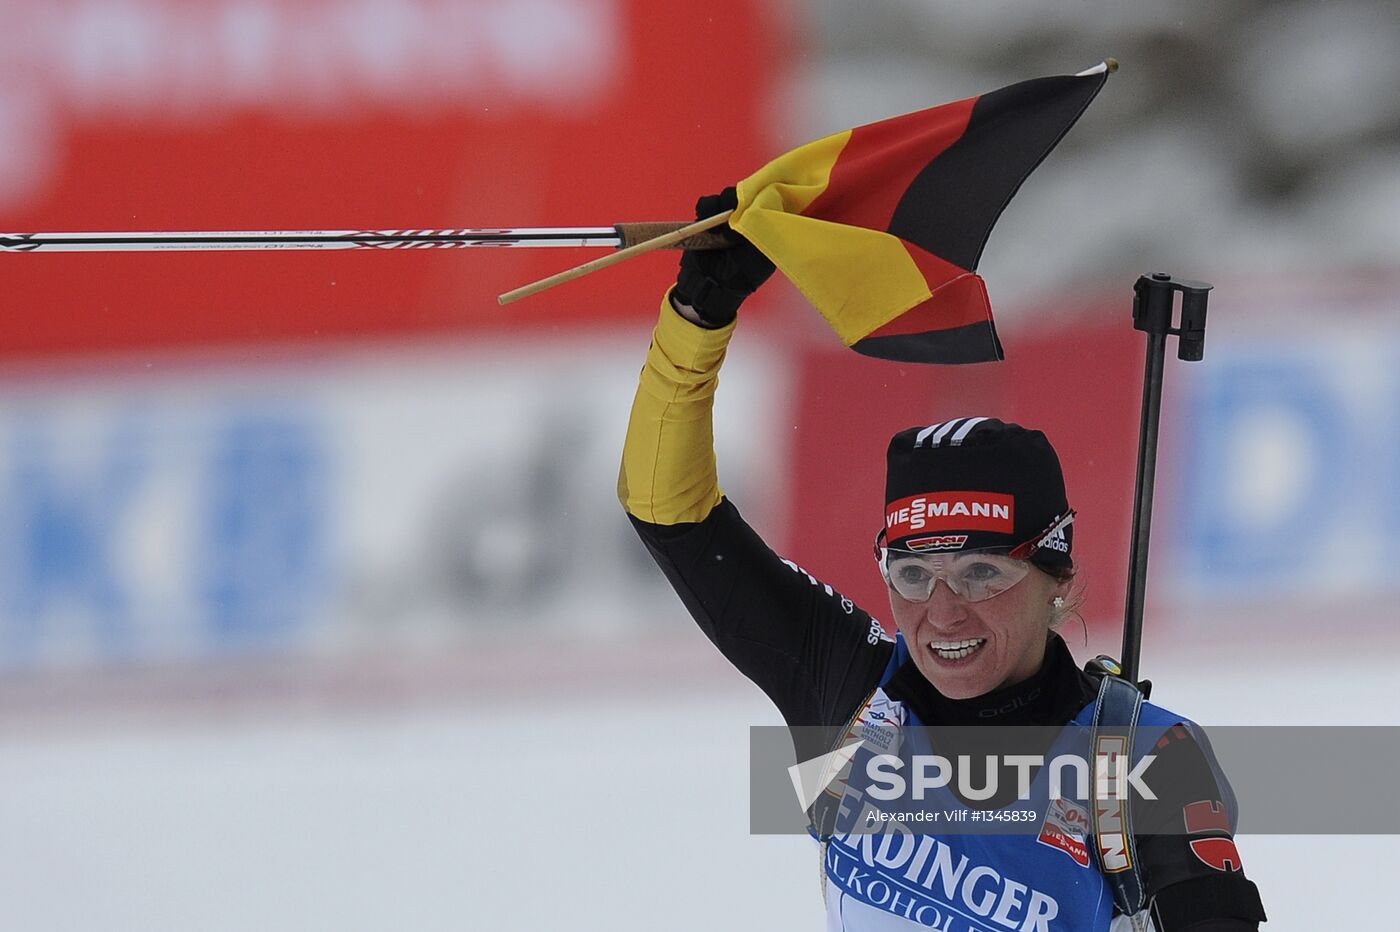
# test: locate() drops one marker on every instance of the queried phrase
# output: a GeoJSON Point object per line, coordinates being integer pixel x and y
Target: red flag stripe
{"type": "Point", "coordinates": [957, 304]}
{"type": "Point", "coordinates": [881, 160]}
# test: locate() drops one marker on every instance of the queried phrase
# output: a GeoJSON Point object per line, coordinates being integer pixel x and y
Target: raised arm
{"type": "Point", "coordinates": [814, 653]}
{"type": "Point", "coordinates": [668, 464]}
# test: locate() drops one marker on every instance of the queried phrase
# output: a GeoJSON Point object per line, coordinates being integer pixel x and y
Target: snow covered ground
{"type": "Point", "coordinates": [487, 811]}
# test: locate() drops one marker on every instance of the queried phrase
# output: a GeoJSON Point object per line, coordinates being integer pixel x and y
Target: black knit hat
{"type": "Point", "coordinates": [974, 483]}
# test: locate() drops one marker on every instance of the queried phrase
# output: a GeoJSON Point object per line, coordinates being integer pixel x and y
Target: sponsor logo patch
{"type": "Point", "coordinates": [1066, 828]}
{"type": "Point", "coordinates": [950, 511]}
{"type": "Point", "coordinates": [940, 542]}
{"type": "Point", "coordinates": [1108, 804]}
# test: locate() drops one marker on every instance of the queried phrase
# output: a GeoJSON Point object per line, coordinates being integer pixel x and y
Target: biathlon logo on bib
{"type": "Point", "coordinates": [950, 511]}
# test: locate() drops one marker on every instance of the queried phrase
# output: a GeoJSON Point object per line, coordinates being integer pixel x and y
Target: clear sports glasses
{"type": "Point", "coordinates": [973, 576]}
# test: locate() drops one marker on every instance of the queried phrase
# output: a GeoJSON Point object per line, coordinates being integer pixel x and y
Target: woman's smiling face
{"type": "Point", "coordinates": [966, 648]}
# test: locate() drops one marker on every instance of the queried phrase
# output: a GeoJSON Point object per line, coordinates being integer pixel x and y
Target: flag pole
{"type": "Point", "coordinates": [1153, 297]}
{"type": "Point", "coordinates": [578, 271]}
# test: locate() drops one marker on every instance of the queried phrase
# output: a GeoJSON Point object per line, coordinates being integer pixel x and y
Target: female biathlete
{"type": "Point", "coordinates": [976, 548]}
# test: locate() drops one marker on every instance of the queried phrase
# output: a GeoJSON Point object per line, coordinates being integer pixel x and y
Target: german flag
{"type": "Point", "coordinates": [882, 226]}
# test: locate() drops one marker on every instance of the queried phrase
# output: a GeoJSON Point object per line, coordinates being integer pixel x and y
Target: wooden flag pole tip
{"type": "Point", "coordinates": [659, 242]}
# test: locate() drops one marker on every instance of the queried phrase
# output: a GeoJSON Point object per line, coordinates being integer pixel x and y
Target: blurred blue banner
{"type": "Point", "coordinates": [1286, 454]}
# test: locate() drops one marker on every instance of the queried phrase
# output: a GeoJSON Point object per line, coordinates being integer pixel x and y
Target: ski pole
{"type": "Point", "coordinates": [618, 236]}
{"type": "Point", "coordinates": [1152, 314]}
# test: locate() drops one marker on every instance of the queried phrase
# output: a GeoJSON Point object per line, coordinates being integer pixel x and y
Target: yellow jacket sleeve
{"type": "Point", "coordinates": [668, 459]}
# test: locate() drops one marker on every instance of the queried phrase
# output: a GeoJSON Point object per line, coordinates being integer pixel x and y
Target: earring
{"type": "Point", "coordinates": [1058, 602]}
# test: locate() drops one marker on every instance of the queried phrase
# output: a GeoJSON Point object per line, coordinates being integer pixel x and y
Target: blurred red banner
{"type": "Point", "coordinates": [165, 115]}
{"type": "Point", "coordinates": [1078, 381]}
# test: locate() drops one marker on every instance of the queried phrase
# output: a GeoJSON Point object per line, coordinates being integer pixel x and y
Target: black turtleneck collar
{"type": "Point", "coordinates": [1052, 696]}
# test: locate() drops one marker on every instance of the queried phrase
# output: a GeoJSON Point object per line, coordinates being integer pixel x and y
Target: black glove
{"type": "Point", "coordinates": [716, 281]}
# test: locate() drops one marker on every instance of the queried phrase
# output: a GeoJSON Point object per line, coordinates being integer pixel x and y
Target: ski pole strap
{"type": "Point", "coordinates": [1114, 728]}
